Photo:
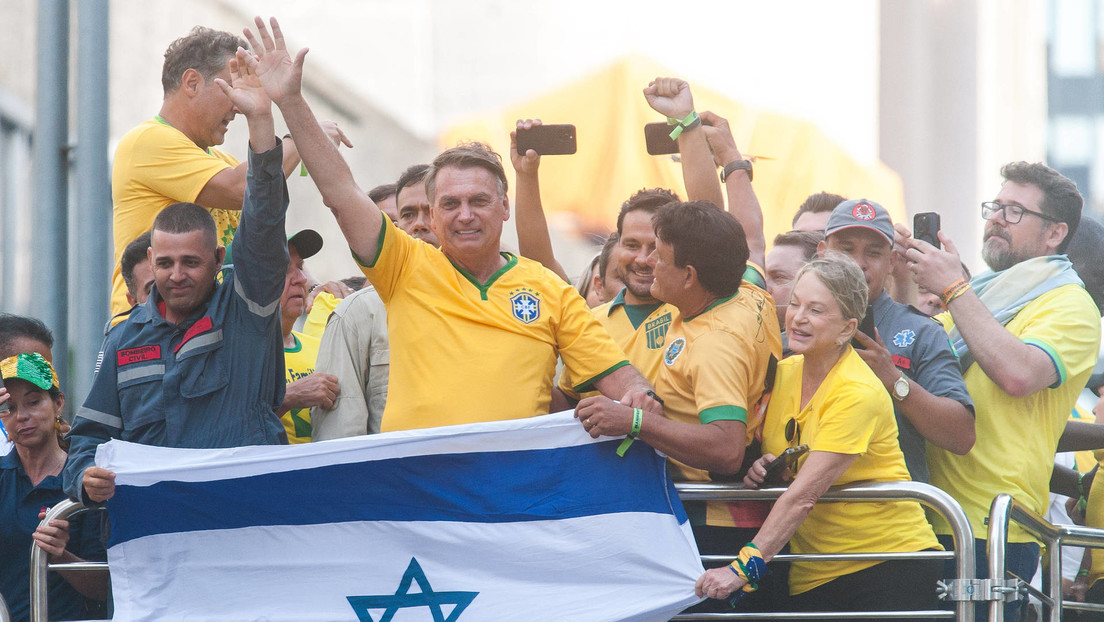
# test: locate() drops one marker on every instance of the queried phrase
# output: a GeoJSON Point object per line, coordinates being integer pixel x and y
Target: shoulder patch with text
{"type": "Point", "coordinates": [138, 355]}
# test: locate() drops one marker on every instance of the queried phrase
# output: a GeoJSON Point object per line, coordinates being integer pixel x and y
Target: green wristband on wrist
{"type": "Point", "coordinates": [691, 121]}
{"type": "Point", "coordinates": [638, 419]}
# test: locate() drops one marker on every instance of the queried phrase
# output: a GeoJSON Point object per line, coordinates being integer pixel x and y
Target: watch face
{"type": "Point", "coordinates": [901, 388]}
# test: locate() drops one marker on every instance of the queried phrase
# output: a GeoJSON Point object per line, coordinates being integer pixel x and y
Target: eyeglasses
{"type": "Point", "coordinates": [1011, 213]}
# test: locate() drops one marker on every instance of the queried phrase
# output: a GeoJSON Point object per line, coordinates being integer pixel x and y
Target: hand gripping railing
{"type": "Point", "coordinates": [1004, 509]}
{"type": "Point", "coordinates": [960, 589]}
{"type": "Point", "coordinates": [39, 587]}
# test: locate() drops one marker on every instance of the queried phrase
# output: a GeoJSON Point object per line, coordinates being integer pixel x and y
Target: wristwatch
{"type": "Point", "coordinates": [737, 165]}
{"type": "Point", "coordinates": [900, 388]}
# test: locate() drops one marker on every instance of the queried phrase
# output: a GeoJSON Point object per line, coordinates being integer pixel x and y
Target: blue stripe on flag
{"type": "Point", "coordinates": [487, 487]}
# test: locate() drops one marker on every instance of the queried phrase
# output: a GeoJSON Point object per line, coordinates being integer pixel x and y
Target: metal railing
{"type": "Point", "coordinates": [960, 589]}
{"type": "Point", "coordinates": [39, 558]}
{"type": "Point", "coordinates": [1006, 509]}
{"type": "Point", "coordinates": [964, 589]}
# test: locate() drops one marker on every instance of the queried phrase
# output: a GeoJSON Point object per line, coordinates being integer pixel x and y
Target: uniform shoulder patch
{"type": "Point", "coordinates": [904, 338]}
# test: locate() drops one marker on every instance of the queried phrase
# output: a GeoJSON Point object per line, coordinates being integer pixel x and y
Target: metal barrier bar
{"type": "Point", "coordinates": [39, 586]}
{"type": "Point", "coordinates": [1005, 509]}
{"type": "Point", "coordinates": [848, 615]}
{"type": "Point", "coordinates": [925, 494]}
{"type": "Point", "coordinates": [876, 491]}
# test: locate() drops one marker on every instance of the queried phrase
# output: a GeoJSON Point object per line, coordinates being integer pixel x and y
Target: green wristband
{"type": "Point", "coordinates": [638, 418]}
{"type": "Point", "coordinates": [691, 121]}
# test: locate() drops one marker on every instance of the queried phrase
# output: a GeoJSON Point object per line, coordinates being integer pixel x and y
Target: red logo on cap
{"type": "Point", "coordinates": [863, 211]}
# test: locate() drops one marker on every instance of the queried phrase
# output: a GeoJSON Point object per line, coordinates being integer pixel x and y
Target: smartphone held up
{"type": "Point", "coordinates": [556, 139]}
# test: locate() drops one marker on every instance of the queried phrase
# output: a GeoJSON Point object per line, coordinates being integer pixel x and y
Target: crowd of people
{"type": "Point", "coordinates": [686, 331]}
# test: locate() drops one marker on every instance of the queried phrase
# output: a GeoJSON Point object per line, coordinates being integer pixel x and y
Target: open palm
{"type": "Point", "coordinates": [247, 92]}
{"type": "Point", "coordinates": [279, 75]}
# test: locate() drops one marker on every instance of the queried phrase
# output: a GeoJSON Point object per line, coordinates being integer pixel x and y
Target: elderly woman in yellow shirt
{"type": "Point", "coordinates": [827, 398]}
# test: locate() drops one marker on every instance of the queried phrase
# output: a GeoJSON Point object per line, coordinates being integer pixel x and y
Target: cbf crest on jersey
{"type": "Point", "coordinates": [525, 305]}
{"type": "Point", "coordinates": [674, 350]}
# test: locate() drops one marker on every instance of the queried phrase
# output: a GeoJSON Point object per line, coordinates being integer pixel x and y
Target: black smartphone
{"type": "Point", "coordinates": [4, 406]}
{"type": "Point", "coordinates": [866, 327]}
{"type": "Point", "coordinates": [776, 467]}
{"type": "Point", "coordinates": [925, 226]}
{"type": "Point", "coordinates": [658, 138]}
{"type": "Point", "coordinates": [547, 139]}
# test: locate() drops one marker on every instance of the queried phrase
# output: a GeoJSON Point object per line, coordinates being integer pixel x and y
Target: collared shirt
{"type": "Point", "coordinates": [921, 350]}
{"type": "Point", "coordinates": [217, 378]}
{"type": "Point", "coordinates": [467, 351]}
{"type": "Point", "coordinates": [717, 367]}
{"type": "Point", "coordinates": [355, 348]}
{"type": "Point", "coordinates": [20, 503]}
{"type": "Point", "coordinates": [156, 165]}
{"type": "Point", "coordinates": [644, 342]}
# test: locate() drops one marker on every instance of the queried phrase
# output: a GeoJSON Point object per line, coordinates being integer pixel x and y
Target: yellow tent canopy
{"type": "Point", "coordinates": [609, 112]}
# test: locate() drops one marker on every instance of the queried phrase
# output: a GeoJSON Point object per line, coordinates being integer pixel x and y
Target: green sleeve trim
{"type": "Point", "coordinates": [589, 384]}
{"type": "Point", "coordinates": [752, 275]}
{"type": "Point", "coordinates": [723, 413]}
{"type": "Point", "coordinates": [379, 246]}
{"type": "Point", "coordinates": [1054, 358]}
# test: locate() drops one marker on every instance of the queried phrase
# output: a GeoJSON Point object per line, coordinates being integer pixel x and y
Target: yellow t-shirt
{"type": "Point", "coordinates": [462, 351]}
{"type": "Point", "coordinates": [299, 363]}
{"type": "Point", "coordinates": [155, 166]}
{"type": "Point", "coordinates": [850, 413]}
{"type": "Point", "coordinates": [644, 344]}
{"type": "Point", "coordinates": [324, 304]}
{"type": "Point", "coordinates": [715, 368]}
{"type": "Point", "coordinates": [1094, 517]}
{"type": "Point", "coordinates": [1017, 437]}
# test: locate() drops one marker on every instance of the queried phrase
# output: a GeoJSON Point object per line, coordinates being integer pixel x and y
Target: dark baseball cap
{"type": "Point", "coordinates": [307, 242]}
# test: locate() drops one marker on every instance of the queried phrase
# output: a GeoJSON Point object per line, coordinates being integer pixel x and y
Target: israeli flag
{"type": "Point", "coordinates": [527, 519]}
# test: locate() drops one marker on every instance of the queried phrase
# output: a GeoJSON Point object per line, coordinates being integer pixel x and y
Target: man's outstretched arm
{"type": "Point", "coordinates": [226, 190]}
{"type": "Point", "coordinates": [282, 78]}
{"type": "Point", "coordinates": [534, 240]}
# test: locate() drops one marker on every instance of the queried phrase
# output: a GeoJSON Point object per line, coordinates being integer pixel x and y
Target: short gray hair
{"type": "Point", "coordinates": [844, 280]}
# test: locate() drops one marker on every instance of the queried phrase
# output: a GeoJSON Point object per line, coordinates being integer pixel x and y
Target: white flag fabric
{"type": "Point", "coordinates": [527, 519]}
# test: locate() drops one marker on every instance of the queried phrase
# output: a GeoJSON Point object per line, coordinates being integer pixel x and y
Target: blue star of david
{"type": "Point", "coordinates": [403, 599]}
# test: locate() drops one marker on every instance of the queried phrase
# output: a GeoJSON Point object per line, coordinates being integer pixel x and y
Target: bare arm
{"type": "Point", "coordinates": [671, 97]}
{"type": "Point", "coordinates": [534, 241]}
{"type": "Point", "coordinates": [359, 218]}
{"type": "Point", "coordinates": [226, 190]}
{"type": "Point", "coordinates": [316, 390]}
{"type": "Point", "coordinates": [943, 421]}
{"type": "Point", "coordinates": [742, 202]}
{"type": "Point", "coordinates": [627, 385]}
{"type": "Point", "coordinates": [716, 446]}
{"type": "Point", "coordinates": [1081, 436]}
{"type": "Point", "coordinates": [1017, 368]}
{"type": "Point", "coordinates": [53, 538]}
{"type": "Point", "coordinates": [820, 471]}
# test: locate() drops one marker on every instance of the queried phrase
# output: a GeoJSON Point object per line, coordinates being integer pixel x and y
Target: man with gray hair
{"type": "Point", "coordinates": [173, 157]}
{"type": "Point", "coordinates": [471, 315]}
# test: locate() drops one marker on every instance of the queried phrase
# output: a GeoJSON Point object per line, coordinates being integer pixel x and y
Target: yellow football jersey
{"type": "Point", "coordinates": [464, 351]}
